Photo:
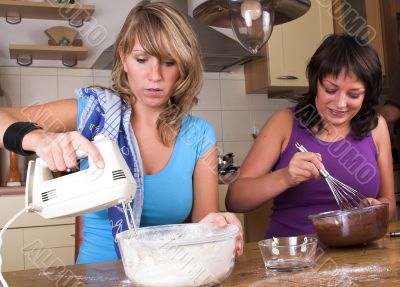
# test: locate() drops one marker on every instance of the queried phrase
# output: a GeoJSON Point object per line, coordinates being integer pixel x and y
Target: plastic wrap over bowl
{"type": "Point", "coordinates": [352, 227]}
{"type": "Point", "coordinates": [197, 254]}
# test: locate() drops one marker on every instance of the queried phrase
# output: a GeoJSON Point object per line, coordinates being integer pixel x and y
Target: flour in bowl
{"type": "Point", "coordinates": [178, 261]}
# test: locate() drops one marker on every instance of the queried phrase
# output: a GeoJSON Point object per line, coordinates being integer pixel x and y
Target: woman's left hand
{"type": "Point", "coordinates": [369, 201]}
{"type": "Point", "coordinates": [222, 219]}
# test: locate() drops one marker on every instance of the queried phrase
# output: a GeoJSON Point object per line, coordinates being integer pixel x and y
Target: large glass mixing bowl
{"type": "Point", "coordinates": [196, 254]}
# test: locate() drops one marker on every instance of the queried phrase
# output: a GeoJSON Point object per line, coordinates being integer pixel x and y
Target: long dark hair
{"type": "Point", "coordinates": [340, 53]}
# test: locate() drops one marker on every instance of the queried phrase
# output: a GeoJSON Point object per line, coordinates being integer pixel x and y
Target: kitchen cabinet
{"type": "Point", "coordinates": [11, 255]}
{"type": "Point", "coordinates": [255, 223]}
{"type": "Point", "coordinates": [287, 52]}
{"type": "Point", "coordinates": [373, 21]}
{"type": "Point", "coordinates": [222, 190]}
{"type": "Point", "coordinates": [32, 241]}
{"type": "Point", "coordinates": [28, 248]}
{"type": "Point", "coordinates": [49, 246]}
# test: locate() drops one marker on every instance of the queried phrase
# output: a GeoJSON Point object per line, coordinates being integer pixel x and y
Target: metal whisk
{"type": "Point", "coordinates": [346, 197]}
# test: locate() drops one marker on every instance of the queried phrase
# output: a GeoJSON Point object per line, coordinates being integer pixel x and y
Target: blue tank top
{"type": "Point", "coordinates": [353, 162]}
{"type": "Point", "coordinates": [168, 195]}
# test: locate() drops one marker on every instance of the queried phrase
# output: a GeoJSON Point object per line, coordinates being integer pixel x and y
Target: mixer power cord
{"type": "Point", "coordinates": [2, 280]}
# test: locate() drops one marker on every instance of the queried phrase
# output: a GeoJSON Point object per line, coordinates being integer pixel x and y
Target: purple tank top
{"type": "Point", "coordinates": [353, 162]}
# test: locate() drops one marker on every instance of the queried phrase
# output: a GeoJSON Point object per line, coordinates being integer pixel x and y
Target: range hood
{"type": "Point", "coordinates": [219, 53]}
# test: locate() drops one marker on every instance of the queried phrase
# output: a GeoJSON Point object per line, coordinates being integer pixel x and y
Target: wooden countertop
{"type": "Point", "coordinates": [377, 264]}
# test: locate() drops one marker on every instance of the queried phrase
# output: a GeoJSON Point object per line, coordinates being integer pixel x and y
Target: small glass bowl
{"type": "Point", "coordinates": [288, 254]}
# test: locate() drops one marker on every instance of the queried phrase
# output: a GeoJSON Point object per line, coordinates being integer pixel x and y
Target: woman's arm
{"type": "Point", "coordinates": [205, 185]}
{"type": "Point", "coordinates": [205, 203]}
{"type": "Point", "coordinates": [58, 141]}
{"type": "Point", "coordinates": [386, 190]}
{"type": "Point", "coordinates": [58, 116]}
{"type": "Point", "coordinates": [256, 183]}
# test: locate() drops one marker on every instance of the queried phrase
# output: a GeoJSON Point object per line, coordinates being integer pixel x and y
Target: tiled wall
{"type": "Point", "coordinates": [222, 101]}
{"type": "Point", "coordinates": [233, 113]}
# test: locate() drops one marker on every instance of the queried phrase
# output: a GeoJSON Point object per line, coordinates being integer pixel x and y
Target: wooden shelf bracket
{"type": "Point", "coordinates": [76, 23]}
{"type": "Point", "coordinates": [69, 62]}
{"type": "Point", "coordinates": [13, 19]}
{"type": "Point", "coordinates": [24, 59]}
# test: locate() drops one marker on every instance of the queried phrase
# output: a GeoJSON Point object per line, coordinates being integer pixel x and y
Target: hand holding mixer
{"type": "Point", "coordinates": [80, 192]}
{"type": "Point", "coordinates": [83, 191]}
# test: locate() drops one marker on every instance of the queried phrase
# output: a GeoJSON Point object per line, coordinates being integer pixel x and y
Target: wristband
{"type": "Point", "coordinates": [14, 134]}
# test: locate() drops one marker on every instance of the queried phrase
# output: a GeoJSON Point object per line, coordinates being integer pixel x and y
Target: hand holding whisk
{"type": "Point", "coordinates": [345, 196]}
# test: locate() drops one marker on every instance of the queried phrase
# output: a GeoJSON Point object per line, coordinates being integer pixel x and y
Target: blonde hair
{"type": "Point", "coordinates": [155, 24]}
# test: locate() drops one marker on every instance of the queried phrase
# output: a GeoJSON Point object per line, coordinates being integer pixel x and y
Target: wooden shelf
{"type": "Point", "coordinates": [46, 52]}
{"type": "Point", "coordinates": [74, 13]}
{"type": "Point", "coordinates": [12, 190]}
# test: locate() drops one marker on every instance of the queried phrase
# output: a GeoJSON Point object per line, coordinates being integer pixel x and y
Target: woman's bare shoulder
{"type": "Point", "coordinates": [381, 127]}
{"type": "Point", "coordinates": [277, 129]}
{"type": "Point", "coordinates": [380, 134]}
{"type": "Point", "coordinates": [268, 145]}
{"type": "Point", "coordinates": [280, 120]}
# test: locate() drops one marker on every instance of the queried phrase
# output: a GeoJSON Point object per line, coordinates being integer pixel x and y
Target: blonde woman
{"type": "Point", "coordinates": [156, 77]}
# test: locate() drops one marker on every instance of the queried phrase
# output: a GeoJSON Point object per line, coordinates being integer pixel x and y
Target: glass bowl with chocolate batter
{"type": "Point", "coordinates": [352, 227]}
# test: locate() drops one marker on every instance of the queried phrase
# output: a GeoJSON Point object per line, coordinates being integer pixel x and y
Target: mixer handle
{"type": "Point", "coordinates": [81, 154]}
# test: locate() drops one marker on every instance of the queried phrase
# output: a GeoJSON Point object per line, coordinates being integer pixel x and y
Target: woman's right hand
{"type": "Point", "coordinates": [303, 166]}
{"type": "Point", "coordinates": [58, 150]}
{"type": "Point", "coordinates": [222, 219]}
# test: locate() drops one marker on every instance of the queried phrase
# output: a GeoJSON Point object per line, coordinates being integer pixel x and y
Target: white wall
{"type": "Point", "coordinates": [222, 101]}
{"type": "Point", "coordinates": [233, 113]}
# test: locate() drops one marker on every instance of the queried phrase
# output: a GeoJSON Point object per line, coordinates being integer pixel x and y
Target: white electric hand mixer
{"type": "Point", "coordinates": [80, 192]}
{"type": "Point", "coordinates": [83, 191]}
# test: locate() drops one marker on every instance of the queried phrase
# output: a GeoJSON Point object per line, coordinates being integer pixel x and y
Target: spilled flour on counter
{"type": "Point", "coordinates": [345, 276]}
{"type": "Point", "coordinates": [78, 280]}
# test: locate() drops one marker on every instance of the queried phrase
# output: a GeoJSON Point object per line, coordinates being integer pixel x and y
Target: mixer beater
{"type": "Point", "coordinates": [345, 196]}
